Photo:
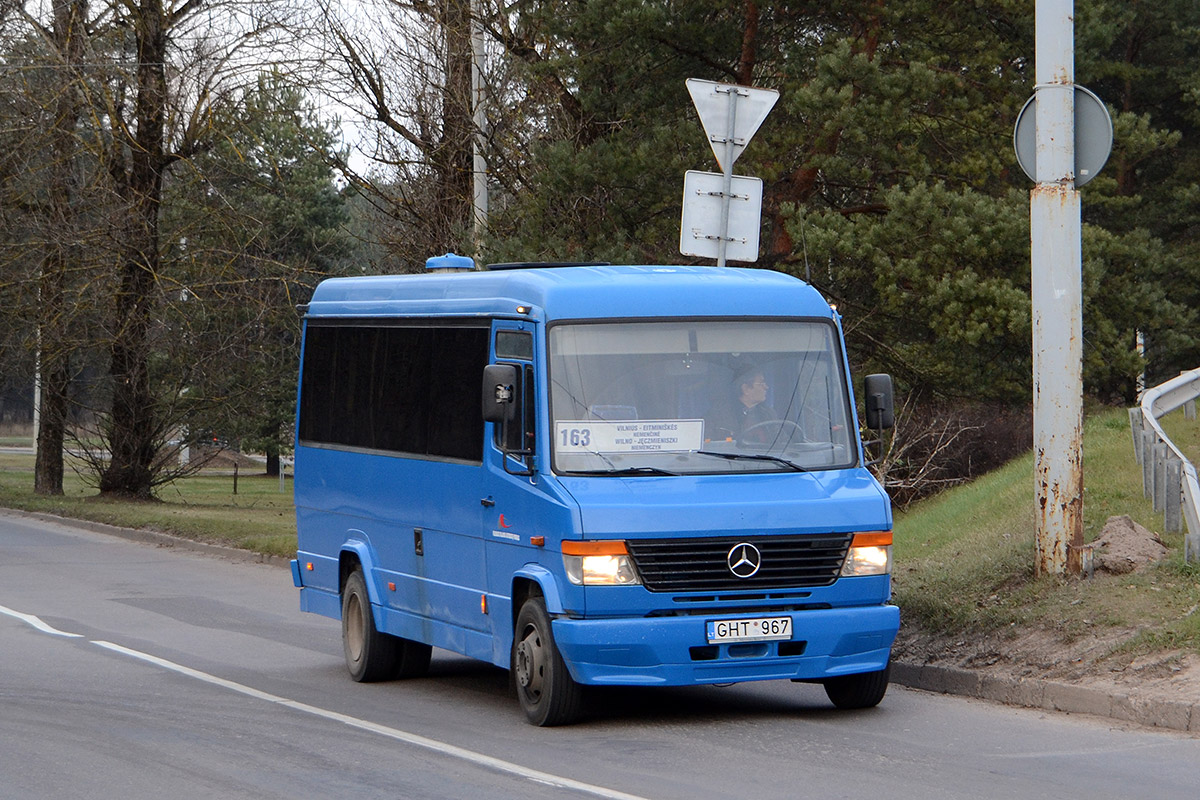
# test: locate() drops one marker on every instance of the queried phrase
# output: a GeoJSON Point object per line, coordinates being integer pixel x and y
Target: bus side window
{"type": "Point", "coordinates": [518, 434]}
{"type": "Point", "coordinates": [394, 388]}
{"type": "Point", "coordinates": [517, 345]}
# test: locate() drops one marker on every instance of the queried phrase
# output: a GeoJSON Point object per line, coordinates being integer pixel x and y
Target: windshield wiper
{"type": "Point", "coordinates": [754, 457]}
{"type": "Point", "coordinates": [621, 471]}
{"type": "Point", "coordinates": [613, 469]}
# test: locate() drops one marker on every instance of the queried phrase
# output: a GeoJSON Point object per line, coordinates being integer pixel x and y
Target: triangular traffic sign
{"type": "Point", "coordinates": [750, 108]}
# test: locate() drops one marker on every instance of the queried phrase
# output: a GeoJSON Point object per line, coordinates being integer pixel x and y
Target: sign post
{"type": "Point", "coordinates": [731, 115]}
{"type": "Point", "coordinates": [726, 172]}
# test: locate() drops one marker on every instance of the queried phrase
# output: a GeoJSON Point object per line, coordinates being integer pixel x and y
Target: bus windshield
{"type": "Point", "coordinates": [698, 397]}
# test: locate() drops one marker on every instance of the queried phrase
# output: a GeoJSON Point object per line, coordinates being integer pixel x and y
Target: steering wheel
{"type": "Point", "coordinates": [795, 432]}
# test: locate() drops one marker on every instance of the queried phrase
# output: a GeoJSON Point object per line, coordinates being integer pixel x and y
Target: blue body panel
{"type": "Point", "coordinates": [476, 523]}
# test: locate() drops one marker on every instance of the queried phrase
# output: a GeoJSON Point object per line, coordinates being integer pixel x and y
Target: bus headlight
{"type": "Point", "coordinates": [870, 554]}
{"type": "Point", "coordinates": [599, 564]}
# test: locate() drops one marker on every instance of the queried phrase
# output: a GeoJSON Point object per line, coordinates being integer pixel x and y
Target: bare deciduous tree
{"type": "Point", "coordinates": [937, 444]}
{"type": "Point", "coordinates": [404, 69]}
{"type": "Point", "coordinates": [134, 85]}
{"type": "Point", "coordinates": [49, 232]}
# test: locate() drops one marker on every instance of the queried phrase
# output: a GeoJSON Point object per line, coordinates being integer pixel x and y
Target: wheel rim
{"type": "Point", "coordinates": [354, 627]}
{"type": "Point", "coordinates": [531, 663]}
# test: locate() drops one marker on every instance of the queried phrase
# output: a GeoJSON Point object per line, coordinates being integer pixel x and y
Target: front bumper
{"type": "Point", "coordinates": [673, 651]}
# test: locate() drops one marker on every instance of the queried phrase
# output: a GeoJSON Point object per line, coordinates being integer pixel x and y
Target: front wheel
{"type": "Point", "coordinates": [863, 690]}
{"type": "Point", "coordinates": [547, 692]}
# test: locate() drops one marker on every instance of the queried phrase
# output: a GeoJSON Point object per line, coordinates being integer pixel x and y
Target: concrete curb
{"type": "Point", "coordinates": [1050, 695]}
{"type": "Point", "coordinates": [1023, 692]}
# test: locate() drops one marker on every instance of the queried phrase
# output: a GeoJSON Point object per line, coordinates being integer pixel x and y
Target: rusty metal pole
{"type": "Point", "coordinates": [1057, 299]}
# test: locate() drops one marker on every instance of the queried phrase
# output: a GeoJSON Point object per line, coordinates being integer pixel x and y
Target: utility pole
{"type": "Point", "coordinates": [1054, 215]}
{"type": "Point", "coordinates": [479, 117]}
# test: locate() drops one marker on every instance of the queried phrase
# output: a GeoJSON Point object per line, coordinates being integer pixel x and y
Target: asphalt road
{"type": "Point", "coordinates": [133, 671]}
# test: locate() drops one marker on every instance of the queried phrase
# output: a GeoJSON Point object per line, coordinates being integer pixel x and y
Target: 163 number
{"type": "Point", "coordinates": [576, 437]}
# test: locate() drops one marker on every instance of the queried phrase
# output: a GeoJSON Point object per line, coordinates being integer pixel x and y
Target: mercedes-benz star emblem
{"type": "Point", "coordinates": [744, 560]}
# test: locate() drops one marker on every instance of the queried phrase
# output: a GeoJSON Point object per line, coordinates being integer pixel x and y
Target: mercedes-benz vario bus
{"type": "Point", "coordinates": [592, 475]}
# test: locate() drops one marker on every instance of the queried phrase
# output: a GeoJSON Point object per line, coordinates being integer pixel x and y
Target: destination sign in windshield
{"type": "Point", "coordinates": [629, 436]}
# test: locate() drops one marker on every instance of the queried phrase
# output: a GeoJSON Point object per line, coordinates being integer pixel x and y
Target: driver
{"type": "Point", "coordinates": [749, 407]}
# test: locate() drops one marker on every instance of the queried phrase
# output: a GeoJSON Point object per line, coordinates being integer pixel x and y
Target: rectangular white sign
{"type": "Point", "coordinates": [629, 436]}
{"type": "Point", "coordinates": [700, 224]}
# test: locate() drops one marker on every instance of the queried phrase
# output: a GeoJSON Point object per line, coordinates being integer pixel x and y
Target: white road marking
{"type": "Point", "coordinates": [372, 727]}
{"type": "Point", "coordinates": [29, 619]}
{"type": "Point", "coordinates": [353, 722]}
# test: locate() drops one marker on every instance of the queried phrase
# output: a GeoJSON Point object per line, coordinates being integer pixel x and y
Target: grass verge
{"type": "Point", "coordinates": [204, 507]}
{"type": "Point", "coordinates": [965, 559]}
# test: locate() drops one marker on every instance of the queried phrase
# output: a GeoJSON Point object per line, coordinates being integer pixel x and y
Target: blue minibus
{"type": "Point", "coordinates": [592, 475]}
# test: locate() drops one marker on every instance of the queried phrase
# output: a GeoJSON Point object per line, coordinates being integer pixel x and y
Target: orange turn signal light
{"type": "Point", "coordinates": [615, 547]}
{"type": "Point", "coordinates": [872, 539]}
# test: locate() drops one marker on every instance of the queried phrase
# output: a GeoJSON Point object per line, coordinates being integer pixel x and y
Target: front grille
{"type": "Point", "coordinates": [701, 565]}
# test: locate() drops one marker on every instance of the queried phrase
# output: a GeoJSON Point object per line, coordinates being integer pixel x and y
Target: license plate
{"type": "Point", "coordinates": [753, 629]}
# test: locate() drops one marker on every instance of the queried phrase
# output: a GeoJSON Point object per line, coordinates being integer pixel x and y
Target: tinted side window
{"type": "Point", "coordinates": [404, 389]}
{"type": "Point", "coordinates": [520, 432]}
{"type": "Point", "coordinates": [514, 344]}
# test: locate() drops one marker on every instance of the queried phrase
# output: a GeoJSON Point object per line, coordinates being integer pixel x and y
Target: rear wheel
{"type": "Point", "coordinates": [371, 655]}
{"type": "Point", "coordinates": [863, 690]}
{"type": "Point", "coordinates": [547, 692]}
{"type": "Point", "coordinates": [413, 659]}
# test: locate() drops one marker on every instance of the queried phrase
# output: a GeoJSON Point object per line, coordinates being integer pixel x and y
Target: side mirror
{"type": "Point", "coordinates": [499, 392]}
{"type": "Point", "coordinates": [880, 402]}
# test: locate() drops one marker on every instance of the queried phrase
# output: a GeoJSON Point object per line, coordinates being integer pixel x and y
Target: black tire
{"type": "Point", "coordinates": [370, 655]}
{"type": "Point", "coordinates": [863, 690]}
{"type": "Point", "coordinates": [412, 660]}
{"type": "Point", "coordinates": [547, 692]}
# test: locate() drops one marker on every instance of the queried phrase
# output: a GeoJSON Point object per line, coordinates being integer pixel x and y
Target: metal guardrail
{"type": "Point", "coordinates": [1167, 475]}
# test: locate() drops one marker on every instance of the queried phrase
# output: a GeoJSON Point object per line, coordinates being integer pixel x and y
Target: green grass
{"type": "Point", "coordinates": [203, 507]}
{"type": "Point", "coordinates": [16, 441]}
{"type": "Point", "coordinates": [965, 559]}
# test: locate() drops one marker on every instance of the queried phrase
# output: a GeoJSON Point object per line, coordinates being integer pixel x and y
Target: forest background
{"type": "Point", "coordinates": [177, 175]}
